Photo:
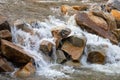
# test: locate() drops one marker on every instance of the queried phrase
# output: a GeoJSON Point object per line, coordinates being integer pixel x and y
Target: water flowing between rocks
{"type": "Point", "coordinates": [42, 31]}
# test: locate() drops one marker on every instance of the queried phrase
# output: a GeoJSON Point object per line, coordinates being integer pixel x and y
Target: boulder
{"type": "Point", "coordinates": [99, 23]}
{"type": "Point", "coordinates": [4, 25]}
{"type": "Point", "coordinates": [5, 66]}
{"type": "Point", "coordinates": [46, 47]}
{"type": "Point", "coordinates": [23, 26]}
{"type": "Point", "coordinates": [96, 53]}
{"type": "Point", "coordinates": [60, 56]}
{"type": "Point", "coordinates": [14, 53]}
{"type": "Point", "coordinates": [60, 33]}
{"type": "Point", "coordinates": [25, 71]}
{"type": "Point", "coordinates": [116, 15]}
{"type": "Point", "coordinates": [5, 34]}
{"type": "Point", "coordinates": [71, 48]}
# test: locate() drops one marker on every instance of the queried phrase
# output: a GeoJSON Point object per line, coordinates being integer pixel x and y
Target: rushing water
{"type": "Point", "coordinates": [42, 31]}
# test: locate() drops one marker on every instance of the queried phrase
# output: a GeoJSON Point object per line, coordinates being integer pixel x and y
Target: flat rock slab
{"type": "Point", "coordinates": [14, 53]}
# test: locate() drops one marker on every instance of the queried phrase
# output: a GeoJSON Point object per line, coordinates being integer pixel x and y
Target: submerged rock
{"type": "Point", "coordinates": [25, 71]}
{"type": "Point", "coordinates": [74, 46]}
{"type": "Point", "coordinates": [96, 53]}
{"type": "Point", "coordinates": [5, 66]}
{"type": "Point", "coordinates": [98, 23]}
{"type": "Point", "coordinates": [14, 53]}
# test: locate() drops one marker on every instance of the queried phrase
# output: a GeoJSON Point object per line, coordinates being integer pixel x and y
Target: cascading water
{"type": "Point", "coordinates": [42, 31]}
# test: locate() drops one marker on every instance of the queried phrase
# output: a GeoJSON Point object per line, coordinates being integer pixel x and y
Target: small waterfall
{"type": "Point", "coordinates": [42, 31]}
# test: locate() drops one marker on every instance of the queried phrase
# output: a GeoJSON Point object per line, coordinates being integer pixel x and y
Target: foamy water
{"type": "Point", "coordinates": [42, 31]}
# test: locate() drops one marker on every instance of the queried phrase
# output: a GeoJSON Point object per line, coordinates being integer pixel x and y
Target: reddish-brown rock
{"type": "Point", "coordinates": [5, 66]}
{"type": "Point", "coordinates": [98, 23]}
{"type": "Point", "coordinates": [14, 53]}
{"type": "Point", "coordinates": [25, 71]}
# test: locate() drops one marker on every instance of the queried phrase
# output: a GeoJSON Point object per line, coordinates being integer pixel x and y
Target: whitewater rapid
{"type": "Point", "coordinates": [42, 31]}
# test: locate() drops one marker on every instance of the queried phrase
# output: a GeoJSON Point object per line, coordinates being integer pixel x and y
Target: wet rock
{"type": "Point", "coordinates": [59, 33]}
{"type": "Point", "coordinates": [74, 50]}
{"type": "Point", "coordinates": [25, 71]}
{"type": "Point", "coordinates": [4, 25]}
{"type": "Point", "coordinates": [98, 23]}
{"type": "Point", "coordinates": [116, 15]}
{"type": "Point", "coordinates": [46, 47]}
{"type": "Point", "coordinates": [14, 53]}
{"type": "Point", "coordinates": [5, 34]}
{"type": "Point", "coordinates": [114, 4]}
{"type": "Point", "coordinates": [96, 53]}
{"type": "Point", "coordinates": [23, 26]}
{"type": "Point", "coordinates": [60, 56]}
{"type": "Point", "coordinates": [5, 66]}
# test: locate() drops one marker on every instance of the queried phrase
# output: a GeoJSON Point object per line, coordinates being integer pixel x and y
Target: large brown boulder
{"type": "Point", "coordinates": [96, 53]}
{"type": "Point", "coordinates": [99, 23]}
{"type": "Point", "coordinates": [74, 46]}
{"type": "Point", "coordinates": [14, 53]}
{"type": "Point", "coordinates": [4, 25]}
{"type": "Point", "coordinates": [25, 71]}
{"type": "Point", "coordinates": [5, 66]}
